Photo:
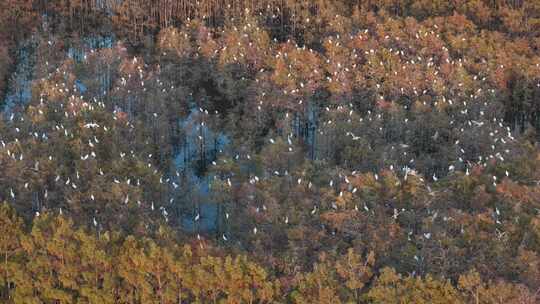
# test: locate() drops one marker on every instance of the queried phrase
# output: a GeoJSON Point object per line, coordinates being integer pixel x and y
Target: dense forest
{"type": "Point", "coordinates": [272, 151]}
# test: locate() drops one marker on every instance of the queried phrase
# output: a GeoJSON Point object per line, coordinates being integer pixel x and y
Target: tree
{"type": "Point", "coordinates": [355, 272]}
{"type": "Point", "coordinates": [391, 287]}
{"type": "Point", "coordinates": [318, 286]}
{"type": "Point", "coordinates": [11, 232]}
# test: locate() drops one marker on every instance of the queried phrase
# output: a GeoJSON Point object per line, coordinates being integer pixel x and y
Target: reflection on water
{"type": "Point", "coordinates": [200, 145]}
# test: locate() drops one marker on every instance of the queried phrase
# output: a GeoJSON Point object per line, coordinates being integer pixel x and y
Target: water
{"type": "Point", "coordinates": [19, 90]}
{"type": "Point", "coordinates": [185, 161]}
{"type": "Point", "coordinates": [87, 44]}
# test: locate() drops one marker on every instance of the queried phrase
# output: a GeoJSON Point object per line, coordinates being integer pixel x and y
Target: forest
{"type": "Point", "coordinates": [271, 151]}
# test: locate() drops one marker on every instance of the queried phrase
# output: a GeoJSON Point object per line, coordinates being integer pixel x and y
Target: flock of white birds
{"type": "Point", "coordinates": [470, 115]}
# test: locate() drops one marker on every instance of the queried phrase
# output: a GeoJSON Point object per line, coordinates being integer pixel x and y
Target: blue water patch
{"type": "Point", "coordinates": [206, 222]}
{"type": "Point", "coordinates": [185, 160]}
{"type": "Point", "coordinates": [196, 132]}
{"type": "Point", "coordinates": [86, 44]}
{"type": "Point", "coordinates": [80, 86]}
{"type": "Point", "coordinates": [19, 91]}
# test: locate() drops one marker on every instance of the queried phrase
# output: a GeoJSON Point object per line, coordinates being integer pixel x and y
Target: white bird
{"type": "Point", "coordinates": [197, 217]}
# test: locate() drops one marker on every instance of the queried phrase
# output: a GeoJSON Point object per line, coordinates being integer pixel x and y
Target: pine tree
{"type": "Point", "coordinates": [11, 232]}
